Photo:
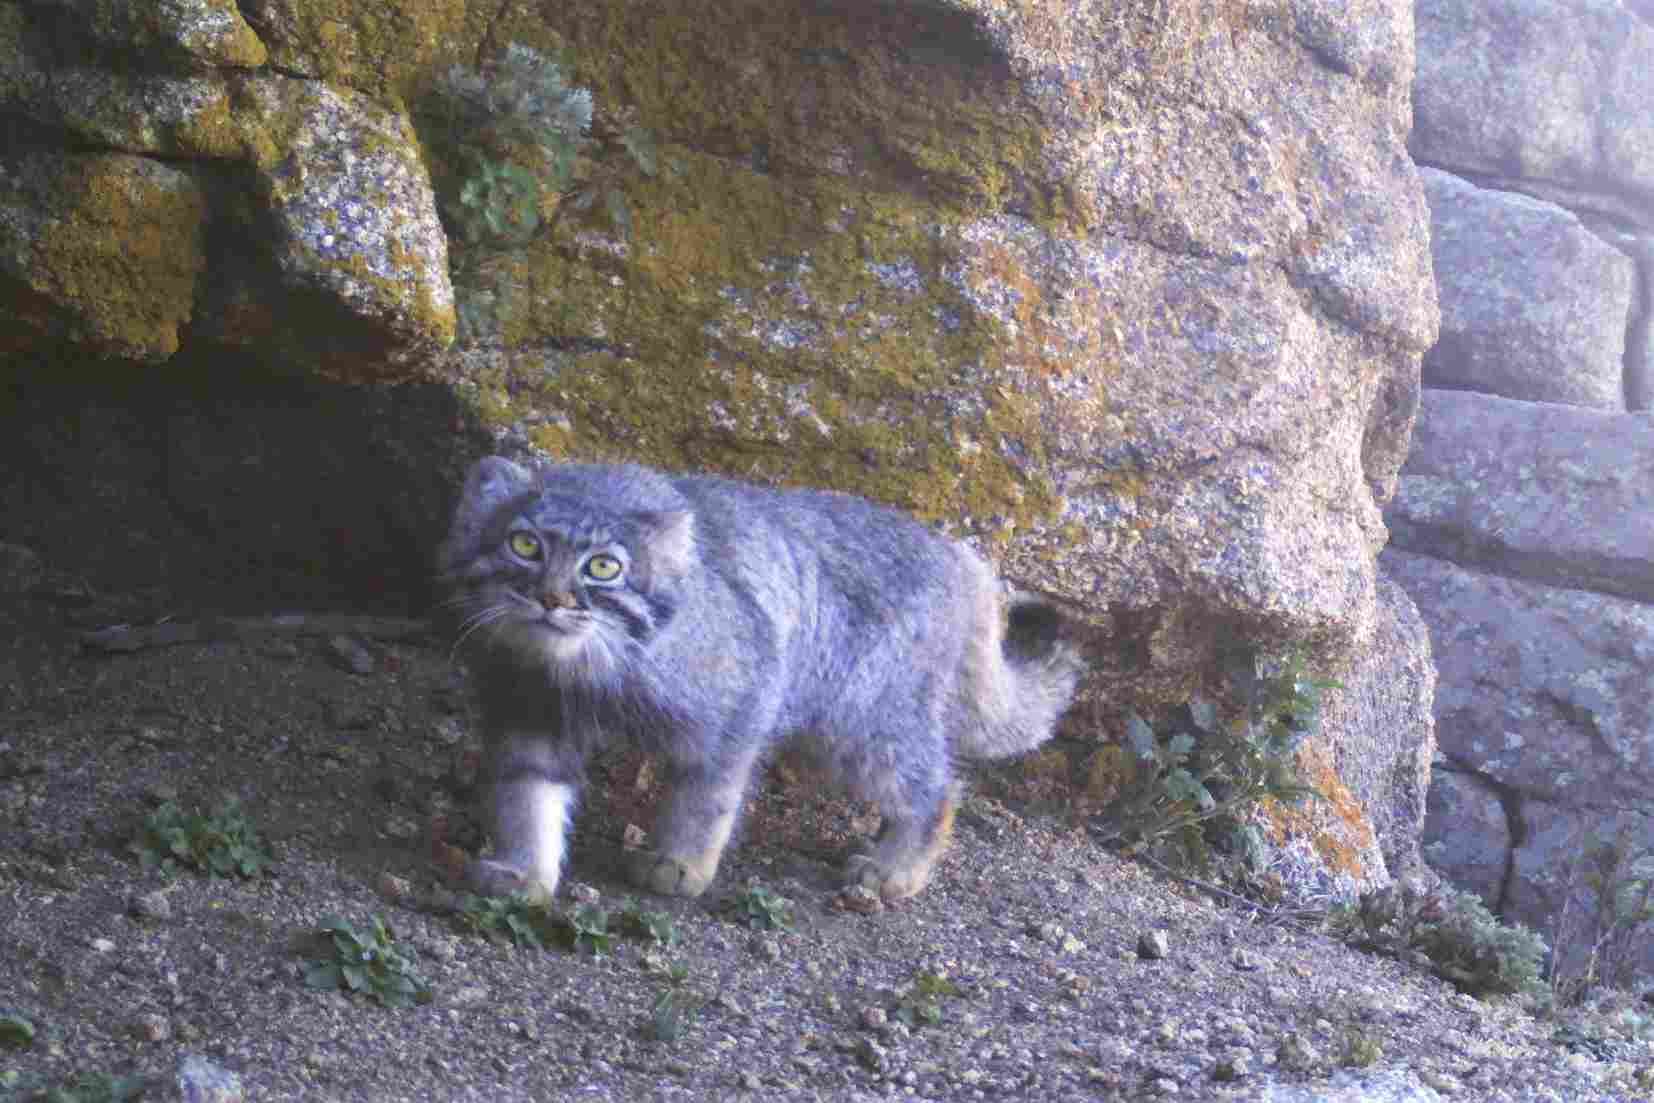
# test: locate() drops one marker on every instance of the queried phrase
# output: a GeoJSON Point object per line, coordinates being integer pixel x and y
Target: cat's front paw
{"type": "Point", "coordinates": [490, 878]}
{"type": "Point", "coordinates": [667, 876]}
{"type": "Point", "coordinates": [890, 884]}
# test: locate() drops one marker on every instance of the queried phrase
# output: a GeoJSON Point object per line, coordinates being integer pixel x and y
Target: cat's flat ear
{"type": "Point", "coordinates": [671, 542]}
{"type": "Point", "coordinates": [493, 481]}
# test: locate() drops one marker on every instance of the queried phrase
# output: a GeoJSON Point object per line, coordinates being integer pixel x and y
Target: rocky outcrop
{"type": "Point", "coordinates": [1522, 523]}
{"type": "Point", "coordinates": [1492, 250]}
{"type": "Point", "coordinates": [1132, 300]}
{"type": "Point", "coordinates": [101, 249]}
{"type": "Point", "coordinates": [310, 204]}
{"type": "Point", "coordinates": [1549, 95]}
{"type": "Point", "coordinates": [1558, 495]}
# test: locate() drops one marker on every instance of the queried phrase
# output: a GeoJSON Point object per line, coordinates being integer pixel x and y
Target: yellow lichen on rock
{"type": "Point", "coordinates": [113, 263]}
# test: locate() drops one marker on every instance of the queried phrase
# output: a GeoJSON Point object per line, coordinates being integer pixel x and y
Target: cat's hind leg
{"type": "Point", "coordinates": [694, 827]}
{"type": "Point", "coordinates": [915, 833]}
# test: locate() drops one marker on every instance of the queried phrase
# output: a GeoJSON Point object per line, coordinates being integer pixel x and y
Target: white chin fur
{"type": "Point", "coordinates": [580, 657]}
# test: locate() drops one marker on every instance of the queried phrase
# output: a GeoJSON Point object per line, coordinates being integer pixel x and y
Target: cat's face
{"type": "Point", "coordinates": [566, 583]}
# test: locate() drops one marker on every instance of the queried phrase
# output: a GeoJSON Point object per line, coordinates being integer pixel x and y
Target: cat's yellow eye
{"type": "Point", "coordinates": [524, 545]}
{"type": "Point", "coordinates": [603, 568]}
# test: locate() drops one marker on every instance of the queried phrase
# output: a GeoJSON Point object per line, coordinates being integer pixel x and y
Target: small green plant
{"type": "Point", "coordinates": [1464, 942]}
{"type": "Point", "coordinates": [657, 926]}
{"type": "Point", "coordinates": [516, 130]}
{"type": "Point", "coordinates": [224, 844]}
{"type": "Point", "coordinates": [675, 1008]}
{"type": "Point", "coordinates": [590, 930]}
{"type": "Point", "coordinates": [535, 923]}
{"type": "Point", "coordinates": [88, 1087]}
{"type": "Point", "coordinates": [16, 1029]}
{"type": "Point", "coordinates": [527, 140]}
{"type": "Point", "coordinates": [1360, 1049]}
{"type": "Point", "coordinates": [759, 907]}
{"type": "Point", "coordinates": [921, 1005]}
{"type": "Point", "coordinates": [368, 962]}
{"type": "Point", "coordinates": [1197, 780]}
{"type": "Point", "coordinates": [525, 922]}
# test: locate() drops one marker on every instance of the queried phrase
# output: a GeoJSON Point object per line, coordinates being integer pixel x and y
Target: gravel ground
{"type": "Point", "coordinates": [1016, 975]}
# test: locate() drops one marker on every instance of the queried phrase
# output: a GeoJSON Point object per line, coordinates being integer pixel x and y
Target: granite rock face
{"type": "Point", "coordinates": [1559, 495]}
{"type": "Point", "coordinates": [101, 250]}
{"type": "Point", "coordinates": [1521, 523]}
{"type": "Point", "coordinates": [1534, 305]}
{"type": "Point", "coordinates": [313, 207]}
{"type": "Point", "coordinates": [1544, 90]}
{"type": "Point", "coordinates": [1132, 298]}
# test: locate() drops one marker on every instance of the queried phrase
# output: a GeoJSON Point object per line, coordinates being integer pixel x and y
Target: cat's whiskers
{"type": "Point", "coordinates": [484, 618]}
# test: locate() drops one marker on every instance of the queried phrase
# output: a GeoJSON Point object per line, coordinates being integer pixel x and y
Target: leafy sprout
{"type": "Point", "coordinates": [224, 844]}
{"type": "Point", "coordinates": [368, 962]}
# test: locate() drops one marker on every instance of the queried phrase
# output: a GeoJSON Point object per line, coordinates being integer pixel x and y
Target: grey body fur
{"type": "Point", "coordinates": [708, 620]}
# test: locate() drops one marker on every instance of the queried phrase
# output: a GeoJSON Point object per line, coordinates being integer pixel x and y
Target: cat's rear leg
{"type": "Point", "coordinates": [917, 826]}
{"type": "Point", "coordinates": [694, 827]}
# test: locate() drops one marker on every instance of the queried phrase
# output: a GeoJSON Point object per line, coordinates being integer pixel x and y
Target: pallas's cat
{"type": "Point", "coordinates": [709, 620]}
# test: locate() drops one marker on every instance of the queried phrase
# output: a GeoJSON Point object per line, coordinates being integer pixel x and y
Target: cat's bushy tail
{"type": "Point", "coordinates": [1020, 675]}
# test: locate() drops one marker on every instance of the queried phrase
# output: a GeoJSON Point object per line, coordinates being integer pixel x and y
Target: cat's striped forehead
{"type": "Point", "coordinates": [576, 523]}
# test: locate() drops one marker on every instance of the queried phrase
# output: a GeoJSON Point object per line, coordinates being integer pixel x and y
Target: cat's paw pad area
{"type": "Point", "coordinates": [489, 878]}
{"type": "Point", "coordinates": [666, 876]}
{"type": "Point", "coordinates": [889, 884]}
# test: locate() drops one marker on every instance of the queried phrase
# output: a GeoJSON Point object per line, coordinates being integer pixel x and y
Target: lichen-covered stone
{"type": "Point", "coordinates": [1380, 717]}
{"type": "Point", "coordinates": [375, 47]}
{"type": "Point", "coordinates": [98, 249]}
{"type": "Point", "coordinates": [1034, 274]}
{"type": "Point", "coordinates": [338, 262]}
{"type": "Point", "coordinates": [352, 226]}
{"type": "Point", "coordinates": [1132, 297]}
{"type": "Point", "coordinates": [158, 32]}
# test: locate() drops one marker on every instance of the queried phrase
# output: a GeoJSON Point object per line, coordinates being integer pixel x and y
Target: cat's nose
{"type": "Point", "coordinates": [559, 599]}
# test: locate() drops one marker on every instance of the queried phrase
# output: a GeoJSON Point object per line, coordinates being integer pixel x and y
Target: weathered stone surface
{"type": "Point", "coordinates": [1545, 89]}
{"type": "Point", "coordinates": [100, 250]}
{"type": "Point", "coordinates": [338, 262]}
{"type": "Point", "coordinates": [1546, 732]}
{"type": "Point", "coordinates": [1533, 304]}
{"type": "Point", "coordinates": [204, 32]}
{"type": "Point", "coordinates": [354, 238]}
{"type": "Point", "coordinates": [1381, 728]}
{"type": "Point", "coordinates": [1543, 690]}
{"type": "Point", "coordinates": [1639, 334]}
{"type": "Point", "coordinates": [1132, 298]}
{"type": "Point", "coordinates": [1554, 494]}
{"type": "Point", "coordinates": [359, 46]}
{"type": "Point", "coordinates": [937, 263]}
{"type": "Point", "coordinates": [1467, 833]}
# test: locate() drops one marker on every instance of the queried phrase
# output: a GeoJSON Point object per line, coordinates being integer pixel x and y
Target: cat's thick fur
{"type": "Point", "coordinates": [708, 620]}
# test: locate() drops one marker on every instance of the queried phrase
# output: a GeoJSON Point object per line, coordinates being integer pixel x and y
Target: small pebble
{"type": "Point", "coordinates": [150, 905]}
{"type": "Point", "coordinates": [1153, 945]}
{"type": "Point", "coordinates": [348, 654]}
{"type": "Point", "coordinates": [152, 1027]}
{"type": "Point", "coordinates": [392, 887]}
